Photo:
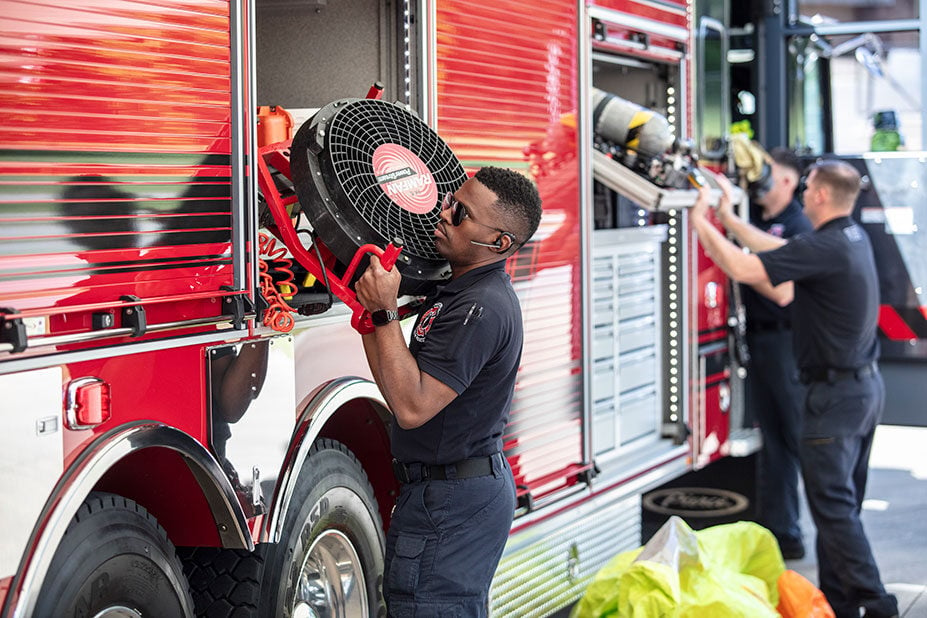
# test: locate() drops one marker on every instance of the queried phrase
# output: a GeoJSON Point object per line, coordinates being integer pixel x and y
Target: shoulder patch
{"type": "Point", "coordinates": [853, 233]}
{"type": "Point", "coordinates": [424, 325]}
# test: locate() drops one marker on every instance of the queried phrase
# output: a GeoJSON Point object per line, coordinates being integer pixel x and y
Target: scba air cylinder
{"type": "Point", "coordinates": [630, 125]}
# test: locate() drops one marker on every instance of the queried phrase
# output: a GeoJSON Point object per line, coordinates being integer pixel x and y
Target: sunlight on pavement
{"type": "Point", "coordinates": [900, 448]}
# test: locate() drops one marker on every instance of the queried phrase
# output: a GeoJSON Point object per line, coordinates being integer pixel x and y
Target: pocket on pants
{"type": "Point", "coordinates": [436, 497]}
{"type": "Point", "coordinates": [406, 564]}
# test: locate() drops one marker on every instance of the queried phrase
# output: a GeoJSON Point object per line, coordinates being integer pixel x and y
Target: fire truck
{"type": "Point", "coordinates": [188, 425]}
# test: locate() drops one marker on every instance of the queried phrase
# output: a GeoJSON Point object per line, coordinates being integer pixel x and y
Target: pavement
{"type": "Point", "coordinates": [894, 517]}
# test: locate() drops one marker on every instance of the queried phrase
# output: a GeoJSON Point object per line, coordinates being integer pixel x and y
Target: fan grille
{"type": "Point", "coordinates": [368, 136]}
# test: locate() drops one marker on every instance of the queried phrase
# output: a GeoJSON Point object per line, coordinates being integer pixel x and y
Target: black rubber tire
{"type": "Point", "coordinates": [225, 583]}
{"type": "Point", "coordinates": [114, 554]}
{"type": "Point", "coordinates": [332, 494]}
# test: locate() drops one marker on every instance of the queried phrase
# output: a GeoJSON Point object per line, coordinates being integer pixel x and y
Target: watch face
{"type": "Point", "coordinates": [383, 316]}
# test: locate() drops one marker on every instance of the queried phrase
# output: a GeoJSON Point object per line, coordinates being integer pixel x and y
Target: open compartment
{"type": "Point", "coordinates": [360, 172]}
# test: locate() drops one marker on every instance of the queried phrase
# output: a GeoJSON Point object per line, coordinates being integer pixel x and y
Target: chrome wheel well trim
{"type": "Point", "coordinates": [79, 479]}
{"type": "Point", "coordinates": [324, 404]}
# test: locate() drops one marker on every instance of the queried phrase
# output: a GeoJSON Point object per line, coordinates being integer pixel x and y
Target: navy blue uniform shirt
{"type": "Point", "coordinates": [762, 313]}
{"type": "Point", "coordinates": [468, 336]}
{"type": "Point", "coordinates": [836, 308]}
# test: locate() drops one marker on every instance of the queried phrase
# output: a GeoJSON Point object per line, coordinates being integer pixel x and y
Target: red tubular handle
{"type": "Point", "coordinates": [376, 91]}
{"type": "Point", "coordinates": [360, 319]}
{"type": "Point", "coordinates": [388, 257]}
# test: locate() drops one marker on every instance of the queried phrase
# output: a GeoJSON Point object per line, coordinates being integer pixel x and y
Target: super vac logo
{"type": "Point", "coordinates": [404, 178]}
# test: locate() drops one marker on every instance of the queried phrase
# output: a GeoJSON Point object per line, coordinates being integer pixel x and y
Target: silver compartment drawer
{"type": "Point", "coordinates": [636, 371]}
{"type": "Point", "coordinates": [642, 282]}
{"type": "Point", "coordinates": [603, 428]}
{"type": "Point", "coordinates": [603, 267]}
{"type": "Point", "coordinates": [603, 342]}
{"type": "Point", "coordinates": [638, 333]}
{"type": "Point", "coordinates": [635, 262]}
{"type": "Point", "coordinates": [636, 305]}
{"type": "Point", "coordinates": [603, 312]}
{"type": "Point", "coordinates": [638, 416]}
{"type": "Point", "coordinates": [603, 381]}
{"type": "Point", "coordinates": [603, 290]}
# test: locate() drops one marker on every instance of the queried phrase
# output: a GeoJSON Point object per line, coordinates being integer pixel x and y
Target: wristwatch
{"type": "Point", "coordinates": [381, 317]}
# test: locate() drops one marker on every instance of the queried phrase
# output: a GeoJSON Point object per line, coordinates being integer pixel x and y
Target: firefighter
{"type": "Point", "coordinates": [831, 274]}
{"type": "Point", "coordinates": [450, 391]}
{"type": "Point", "coordinates": [774, 392]}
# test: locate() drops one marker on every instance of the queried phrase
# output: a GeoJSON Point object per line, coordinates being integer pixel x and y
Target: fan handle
{"type": "Point", "coordinates": [360, 318]}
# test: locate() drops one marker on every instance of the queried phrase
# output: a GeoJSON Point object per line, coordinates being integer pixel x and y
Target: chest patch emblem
{"type": "Point", "coordinates": [428, 318]}
{"type": "Point", "coordinates": [777, 229]}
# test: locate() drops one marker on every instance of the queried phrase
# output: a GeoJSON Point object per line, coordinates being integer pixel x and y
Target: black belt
{"type": "Point", "coordinates": [807, 376]}
{"type": "Point", "coordinates": [765, 326]}
{"type": "Point", "coordinates": [464, 469]}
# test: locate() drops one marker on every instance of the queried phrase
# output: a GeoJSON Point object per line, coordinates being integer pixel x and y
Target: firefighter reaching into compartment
{"type": "Point", "coordinates": [831, 274]}
{"type": "Point", "coordinates": [450, 391]}
{"type": "Point", "coordinates": [774, 393]}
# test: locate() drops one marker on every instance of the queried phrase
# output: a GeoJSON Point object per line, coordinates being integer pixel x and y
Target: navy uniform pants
{"type": "Point", "coordinates": [776, 398]}
{"type": "Point", "coordinates": [444, 543]}
{"type": "Point", "coordinates": [839, 424]}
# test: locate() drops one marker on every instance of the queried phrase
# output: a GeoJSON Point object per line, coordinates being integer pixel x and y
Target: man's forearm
{"type": "Point", "coordinates": [748, 235]}
{"type": "Point", "coordinates": [370, 351]}
{"type": "Point", "coordinates": [736, 264]}
{"type": "Point", "coordinates": [782, 294]}
{"type": "Point", "coordinates": [393, 366]}
{"type": "Point", "coordinates": [413, 396]}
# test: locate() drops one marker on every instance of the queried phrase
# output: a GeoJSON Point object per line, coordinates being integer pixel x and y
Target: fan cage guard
{"type": "Point", "coordinates": [354, 135]}
{"type": "Point", "coordinates": [345, 160]}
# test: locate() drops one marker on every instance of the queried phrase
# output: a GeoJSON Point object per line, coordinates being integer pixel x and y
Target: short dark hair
{"type": "Point", "coordinates": [840, 177]}
{"type": "Point", "coordinates": [517, 199]}
{"type": "Point", "coordinates": [787, 158]}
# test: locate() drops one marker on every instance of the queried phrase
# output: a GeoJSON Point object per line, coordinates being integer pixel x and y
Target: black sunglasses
{"type": "Point", "coordinates": [459, 212]}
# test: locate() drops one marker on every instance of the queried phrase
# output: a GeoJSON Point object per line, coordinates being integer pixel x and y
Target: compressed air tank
{"type": "Point", "coordinates": [629, 125]}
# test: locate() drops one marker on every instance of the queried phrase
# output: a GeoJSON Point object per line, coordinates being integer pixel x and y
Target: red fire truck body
{"type": "Point", "coordinates": [130, 280]}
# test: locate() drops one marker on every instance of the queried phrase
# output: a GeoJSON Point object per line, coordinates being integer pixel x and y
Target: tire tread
{"type": "Point", "coordinates": [112, 511]}
{"type": "Point", "coordinates": [225, 583]}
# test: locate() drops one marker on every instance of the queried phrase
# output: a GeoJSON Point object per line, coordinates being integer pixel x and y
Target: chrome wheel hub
{"type": "Point", "coordinates": [331, 580]}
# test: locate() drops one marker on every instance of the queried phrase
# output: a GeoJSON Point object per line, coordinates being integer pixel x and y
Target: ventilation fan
{"type": "Point", "coordinates": [368, 172]}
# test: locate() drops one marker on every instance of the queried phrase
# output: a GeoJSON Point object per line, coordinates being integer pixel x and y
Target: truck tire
{"type": "Point", "coordinates": [329, 561]}
{"type": "Point", "coordinates": [114, 560]}
{"type": "Point", "coordinates": [225, 583]}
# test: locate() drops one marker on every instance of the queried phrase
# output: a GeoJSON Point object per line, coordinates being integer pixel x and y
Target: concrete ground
{"type": "Point", "coordinates": [894, 516]}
